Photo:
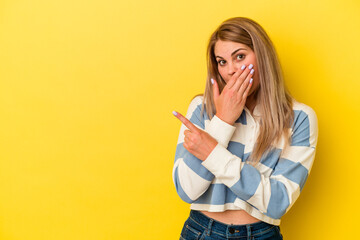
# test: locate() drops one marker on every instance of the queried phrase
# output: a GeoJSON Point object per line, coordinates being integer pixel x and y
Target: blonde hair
{"type": "Point", "coordinates": [275, 100]}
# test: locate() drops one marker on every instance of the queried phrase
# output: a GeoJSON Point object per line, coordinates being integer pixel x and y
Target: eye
{"type": "Point", "coordinates": [221, 62]}
{"type": "Point", "coordinates": [240, 56]}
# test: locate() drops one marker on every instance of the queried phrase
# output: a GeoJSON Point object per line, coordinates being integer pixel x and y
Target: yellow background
{"type": "Point", "coordinates": [87, 138]}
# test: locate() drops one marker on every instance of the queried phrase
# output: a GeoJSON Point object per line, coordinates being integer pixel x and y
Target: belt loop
{"type": "Point", "coordinates": [248, 228]}
{"type": "Point", "coordinates": [209, 227]}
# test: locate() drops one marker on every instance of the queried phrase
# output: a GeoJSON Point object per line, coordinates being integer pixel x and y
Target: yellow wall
{"type": "Point", "coordinates": [87, 138]}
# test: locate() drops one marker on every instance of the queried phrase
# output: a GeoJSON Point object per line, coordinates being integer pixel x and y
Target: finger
{"type": "Point", "coordinates": [215, 88]}
{"type": "Point", "coordinates": [245, 87]}
{"type": "Point", "coordinates": [241, 79]}
{"type": "Point", "coordinates": [234, 77]}
{"type": "Point", "coordinates": [248, 89]}
{"type": "Point", "coordinates": [186, 122]}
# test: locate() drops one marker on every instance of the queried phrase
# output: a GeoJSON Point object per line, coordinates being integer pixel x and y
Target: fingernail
{"type": "Point", "coordinates": [251, 80]}
{"type": "Point", "coordinates": [251, 66]}
{"type": "Point", "coordinates": [252, 71]}
{"type": "Point", "coordinates": [212, 81]}
{"type": "Point", "coordinates": [175, 113]}
{"type": "Point", "coordinates": [243, 67]}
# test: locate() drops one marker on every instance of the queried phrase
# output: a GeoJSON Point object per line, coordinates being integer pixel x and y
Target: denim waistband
{"type": "Point", "coordinates": [228, 230]}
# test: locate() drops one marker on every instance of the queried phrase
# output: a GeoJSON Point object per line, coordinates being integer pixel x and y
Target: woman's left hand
{"type": "Point", "coordinates": [196, 141]}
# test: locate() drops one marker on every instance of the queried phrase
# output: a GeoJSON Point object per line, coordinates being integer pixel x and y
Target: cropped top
{"type": "Point", "coordinates": [225, 181]}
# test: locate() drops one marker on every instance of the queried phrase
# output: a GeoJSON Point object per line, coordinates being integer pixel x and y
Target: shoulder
{"type": "Point", "coordinates": [301, 109]}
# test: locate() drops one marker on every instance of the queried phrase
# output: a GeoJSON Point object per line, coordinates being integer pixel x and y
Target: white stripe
{"type": "Point", "coordinates": [224, 165]}
{"type": "Point", "coordinates": [246, 135]}
{"type": "Point", "coordinates": [263, 169]}
{"type": "Point", "coordinates": [192, 184]}
{"type": "Point", "coordinates": [214, 208]}
{"type": "Point", "coordinates": [303, 155]}
{"type": "Point", "coordinates": [262, 195]}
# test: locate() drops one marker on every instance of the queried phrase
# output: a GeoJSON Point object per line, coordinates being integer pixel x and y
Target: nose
{"type": "Point", "coordinates": [232, 68]}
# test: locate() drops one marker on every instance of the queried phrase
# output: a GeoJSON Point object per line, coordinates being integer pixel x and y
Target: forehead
{"type": "Point", "coordinates": [227, 47]}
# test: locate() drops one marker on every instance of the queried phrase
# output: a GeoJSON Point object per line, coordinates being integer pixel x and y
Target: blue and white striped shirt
{"type": "Point", "coordinates": [224, 181]}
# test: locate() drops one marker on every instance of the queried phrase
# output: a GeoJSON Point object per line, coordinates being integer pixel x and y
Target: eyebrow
{"type": "Point", "coordinates": [233, 52]}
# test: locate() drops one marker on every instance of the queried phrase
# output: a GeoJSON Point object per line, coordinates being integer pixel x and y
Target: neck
{"type": "Point", "coordinates": [251, 102]}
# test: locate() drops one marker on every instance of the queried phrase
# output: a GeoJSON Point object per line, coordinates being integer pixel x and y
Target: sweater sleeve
{"type": "Point", "coordinates": [272, 194]}
{"type": "Point", "coordinates": [190, 177]}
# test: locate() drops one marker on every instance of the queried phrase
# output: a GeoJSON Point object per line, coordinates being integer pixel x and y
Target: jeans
{"type": "Point", "coordinates": [200, 227]}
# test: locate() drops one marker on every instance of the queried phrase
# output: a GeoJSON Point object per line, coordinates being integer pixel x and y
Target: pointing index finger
{"type": "Point", "coordinates": [185, 121]}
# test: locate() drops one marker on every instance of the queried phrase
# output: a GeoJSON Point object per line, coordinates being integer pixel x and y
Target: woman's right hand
{"type": "Point", "coordinates": [230, 103]}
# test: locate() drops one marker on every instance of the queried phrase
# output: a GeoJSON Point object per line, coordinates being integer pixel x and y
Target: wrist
{"type": "Point", "coordinates": [230, 122]}
{"type": "Point", "coordinates": [211, 148]}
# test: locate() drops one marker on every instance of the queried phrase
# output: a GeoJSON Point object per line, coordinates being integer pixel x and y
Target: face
{"type": "Point", "coordinates": [230, 56]}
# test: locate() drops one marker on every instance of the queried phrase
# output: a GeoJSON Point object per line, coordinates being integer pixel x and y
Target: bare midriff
{"type": "Point", "coordinates": [236, 217]}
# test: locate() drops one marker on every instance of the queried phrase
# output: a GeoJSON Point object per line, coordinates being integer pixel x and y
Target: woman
{"type": "Point", "coordinates": [246, 147]}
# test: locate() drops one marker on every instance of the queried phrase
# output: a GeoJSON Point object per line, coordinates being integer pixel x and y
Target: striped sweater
{"type": "Point", "coordinates": [225, 181]}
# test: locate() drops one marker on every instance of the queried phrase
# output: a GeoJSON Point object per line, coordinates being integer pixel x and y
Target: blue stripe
{"type": "Point", "coordinates": [236, 148]}
{"type": "Point", "coordinates": [248, 183]}
{"type": "Point", "coordinates": [293, 171]}
{"type": "Point", "coordinates": [279, 200]}
{"type": "Point", "coordinates": [217, 194]}
{"type": "Point", "coordinates": [301, 129]}
{"type": "Point", "coordinates": [246, 156]}
{"type": "Point", "coordinates": [242, 118]}
{"type": "Point", "coordinates": [196, 117]}
{"type": "Point", "coordinates": [271, 158]}
{"type": "Point", "coordinates": [179, 189]}
{"type": "Point", "coordinates": [193, 162]}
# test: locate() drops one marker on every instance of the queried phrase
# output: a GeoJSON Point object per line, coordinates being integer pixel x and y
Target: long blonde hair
{"type": "Point", "coordinates": [275, 100]}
